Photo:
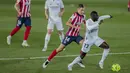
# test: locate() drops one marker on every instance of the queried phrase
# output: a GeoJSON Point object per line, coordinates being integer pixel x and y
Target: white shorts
{"type": "Point", "coordinates": [89, 42]}
{"type": "Point", "coordinates": [58, 24]}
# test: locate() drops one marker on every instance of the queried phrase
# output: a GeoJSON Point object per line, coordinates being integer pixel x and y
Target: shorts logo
{"type": "Point", "coordinates": [19, 23]}
{"type": "Point", "coordinates": [66, 39]}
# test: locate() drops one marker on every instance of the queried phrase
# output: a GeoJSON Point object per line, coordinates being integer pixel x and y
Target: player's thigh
{"type": "Point", "coordinates": [50, 25]}
{"type": "Point", "coordinates": [19, 22]}
{"type": "Point", "coordinates": [27, 21]}
{"type": "Point", "coordinates": [67, 40]}
{"type": "Point", "coordinates": [86, 46]}
{"type": "Point", "coordinates": [59, 26]}
{"type": "Point", "coordinates": [79, 40]}
{"type": "Point", "coordinates": [98, 41]}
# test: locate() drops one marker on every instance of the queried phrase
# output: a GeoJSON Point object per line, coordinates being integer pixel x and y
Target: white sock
{"type": "Point", "coordinates": [47, 39]}
{"type": "Point", "coordinates": [24, 40]}
{"type": "Point", "coordinates": [76, 60]}
{"type": "Point", "coordinates": [104, 55]}
{"type": "Point", "coordinates": [61, 36]}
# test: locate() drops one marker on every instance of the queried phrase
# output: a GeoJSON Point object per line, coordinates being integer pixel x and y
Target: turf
{"type": "Point", "coordinates": [115, 31]}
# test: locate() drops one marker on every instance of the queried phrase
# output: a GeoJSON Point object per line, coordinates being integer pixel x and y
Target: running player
{"type": "Point", "coordinates": [74, 24]}
{"type": "Point", "coordinates": [92, 38]}
{"type": "Point", "coordinates": [23, 9]}
{"type": "Point", "coordinates": [54, 10]}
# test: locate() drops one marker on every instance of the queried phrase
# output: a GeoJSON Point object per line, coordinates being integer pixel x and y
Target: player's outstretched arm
{"type": "Point", "coordinates": [104, 17]}
{"type": "Point", "coordinates": [16, 6]}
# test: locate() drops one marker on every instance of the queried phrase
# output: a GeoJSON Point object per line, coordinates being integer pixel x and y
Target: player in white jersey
{"type": "Point", "coordinates": [54, 10]}
{"type": "Point", "coordinates": [92, 38]}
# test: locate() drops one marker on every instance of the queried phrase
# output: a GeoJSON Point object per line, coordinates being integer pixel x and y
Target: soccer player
{"type": "Point", "coordinates": [129, 5]}
{"type": "Point", "coordinates": [23, 9]}
{"type": "Point", "coordinates": [54, 10]}
{"type": "Point", "coordinates": [92, 38]}
{"type": "Point", "coordinates": [74, 24]}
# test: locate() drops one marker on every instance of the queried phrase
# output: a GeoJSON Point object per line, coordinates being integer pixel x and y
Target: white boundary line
{"type": "Point", "coordinates": [32, 58]}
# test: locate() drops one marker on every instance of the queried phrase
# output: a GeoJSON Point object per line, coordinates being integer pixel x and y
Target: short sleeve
{"type": "Point", "coordinates": [61, 4]}
{"type": "Point", "coordinates": [46, 4]}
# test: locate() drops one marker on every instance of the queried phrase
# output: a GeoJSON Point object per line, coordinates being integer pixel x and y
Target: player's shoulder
{"type": "Point", "coordinates": [89, 20]}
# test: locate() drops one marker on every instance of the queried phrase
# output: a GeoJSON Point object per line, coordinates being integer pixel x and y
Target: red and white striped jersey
{"type": "Point", "coordinates": [24, 7]}
{"type": "Point", "coordinates": [77, 20]}
{"type": "Point", "coordinates": [129, 4]}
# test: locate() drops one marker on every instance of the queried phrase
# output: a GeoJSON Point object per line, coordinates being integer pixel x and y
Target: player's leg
{"type": "Point", "coordinates": [84, 50]}
{"type": "Point", "coordinates": [67, 40]}
{"type": "Point", "coordinates": [50, 28]}
{"type": "Point", "coordinates": [102, 44]}
{"type": "Point", "coordinates": [27, 23]}
{"type": "Point", "coordinates": [15, 30]}
{"type": "Point", "coordinates": [60, 29]}
{"type": "Point", "coordinates": [129, 9]}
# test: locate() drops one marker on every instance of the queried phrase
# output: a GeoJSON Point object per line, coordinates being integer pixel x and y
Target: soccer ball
{"type": "Point", "coordinates": [116, 67]}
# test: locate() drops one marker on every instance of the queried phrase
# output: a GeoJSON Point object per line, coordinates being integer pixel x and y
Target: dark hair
{"type": "Point", "coordinates": [80, 6]}
{"type": "Point", "coordinates": [93, 12]}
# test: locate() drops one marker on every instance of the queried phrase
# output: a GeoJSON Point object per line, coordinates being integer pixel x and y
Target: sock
{"type": "Point", "coordinates": [76, 60]}
{"type": "Point", "coordinates": [16, 29]}
{"type": "Point", "coordinates": [27, 32]}
{"type": "Point", "coordinates": [104, 55]}
{"type": "Point", "coordinates": [47, 39]}
{"type": "Point", "coordinates": [52, 55]}
{"type": "Point", "coordinates": [61, 36]}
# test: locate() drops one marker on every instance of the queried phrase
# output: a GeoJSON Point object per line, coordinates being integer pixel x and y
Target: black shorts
{"type": "Point", "coordinates": [68, 39]}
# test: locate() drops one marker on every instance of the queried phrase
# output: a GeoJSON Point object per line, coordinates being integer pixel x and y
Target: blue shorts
{"type": "Point", "coordinates": [23, 20]}
{"type": "Point", "coordinates": [68, 39]}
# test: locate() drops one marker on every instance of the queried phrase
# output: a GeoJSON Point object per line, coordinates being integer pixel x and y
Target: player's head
{"type": "Point", "coordinates": [81, 9]}
{"type": "Point", "coordinates": [94, 15]}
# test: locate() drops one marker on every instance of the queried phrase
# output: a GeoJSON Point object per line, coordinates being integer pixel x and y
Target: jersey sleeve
{"type": "Point", "coordinates": [61, 4]}
{"type": "Point", "coordinates": [90, 26]}
{"type": "Point", "coordinates": [104, 17]}
{"type": "Point", "coordinates": [73, 16]}
{"type": "Point", "coordinates": [46, 4]}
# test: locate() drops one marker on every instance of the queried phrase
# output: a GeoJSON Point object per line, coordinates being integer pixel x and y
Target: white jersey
{"type": "Point", "coordinates": [93, 27]}
{"type": "Point", "coordinates": [54, 7]}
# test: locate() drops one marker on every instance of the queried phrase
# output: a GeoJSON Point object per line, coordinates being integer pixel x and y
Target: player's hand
{"type": "Point", "coordinates": [60, 14]}
{"type": "Point", "coordinates": [29, 14]}
{"type": "Point", "coordinates": [100, 22]}
{"type": "Point", "coordinates": [19, 13]}
{"type": "Point", "coordinates": [111, 16]}
{"type": "Point", "coordinates": [47, 17]}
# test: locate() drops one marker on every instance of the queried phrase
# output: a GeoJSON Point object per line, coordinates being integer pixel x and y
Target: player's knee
{"type": "Point", "coordinates": [60, 32]}
{"type": "Point", "coordinates": [49, 32]}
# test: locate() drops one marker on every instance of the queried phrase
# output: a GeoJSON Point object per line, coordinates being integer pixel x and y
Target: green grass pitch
{"type": "Point", "coordinates": [115, 31]}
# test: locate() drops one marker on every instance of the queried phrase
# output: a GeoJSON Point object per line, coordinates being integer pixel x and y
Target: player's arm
{"type": "Point", "coordinates": [16, 6]}
{"type": "Point", "coordinates": [46, 14]}
{"type": "Point", "coordinates": [68, 23]}
{"type": "Point", "coordinates": [62, 8]}
{"type": "Point", "coordinates": [46, 10]}
{"type": "Point", "coordinates": [104, 17]}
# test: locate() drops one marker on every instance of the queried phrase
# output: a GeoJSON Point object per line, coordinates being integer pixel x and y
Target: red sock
{"type": "Point", "coordinates": [27, 32]}
{"type": "Point", "coordinates": [52, 55]}
{"type": "Point", "coordinates": [16, 29]}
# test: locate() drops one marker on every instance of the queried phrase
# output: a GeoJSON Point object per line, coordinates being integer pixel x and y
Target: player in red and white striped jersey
{"type": "Point", "coordinates": [74, 24]}
{"type": "Point", "coordinates": [23, 9]}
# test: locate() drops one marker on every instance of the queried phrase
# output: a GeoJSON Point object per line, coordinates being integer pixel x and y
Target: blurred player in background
{"type": "Point", "coordinates": [54, 10]}
{"type": "Point", "coordinates": [129, 5]}
{"type": "Point", "coordinates": [74, 24]}
{"type": "Point", "coordinates": [92, 38]}
{"type": "Point", "coordinates": [23, 9]}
